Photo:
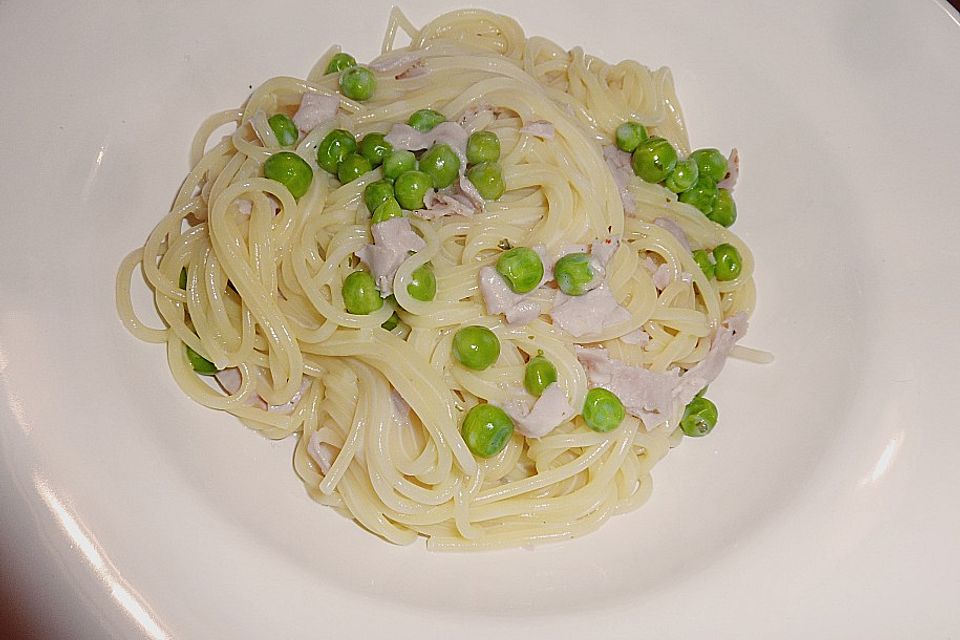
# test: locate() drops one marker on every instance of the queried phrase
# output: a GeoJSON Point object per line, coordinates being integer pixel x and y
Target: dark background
{"type": "Point", "coordinates": [22, 617]}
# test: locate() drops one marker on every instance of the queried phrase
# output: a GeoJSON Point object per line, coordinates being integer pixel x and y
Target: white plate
{"type": "Point", "coordinates": [823, 506]}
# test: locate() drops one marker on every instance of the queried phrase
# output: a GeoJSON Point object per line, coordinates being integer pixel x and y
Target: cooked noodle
{"type": "Point", "coordinates": [264, 273]}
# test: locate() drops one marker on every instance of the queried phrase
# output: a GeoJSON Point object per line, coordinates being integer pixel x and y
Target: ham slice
{"type": "Point", "coordinates": [662, 274]}
{"type": "Point", "coordinates": [662, 277]}
{"type": "Point", "coordinates": [589, 314]}
{"type": "Point", "coordinates": [601, 251]}
{"type": "Point", "coordinates": [315, 108]}
{"type": "Point", "coordinates": [404, 137]}
{"type": "Point", "coordinates": [657, 397]}
{"type": "Point", "coordinates": [733, 171]}
{"type": "Point", "coordinates": [594, 311]}
{"type": "Point", "coordinates": [392, 239]}
{"type": "Point", "coordinates": [549, 411]}
{"type": "Point", "coordinates": [229, 379]}
{"type": "Point", "coordinates": [460, 198]}
{"type": "Point", "coordinates": [401, 410]}
{"type": "Point", "coordinates": [622, 171]}
{"type": "Point", "coordinates": [539, 128]}
{"type": "Point", "coordinates": [499, 298]}
{"type": "Point", "coordinates": [400, 65]}
{"type": "Point", "coordinates": [469, 190]}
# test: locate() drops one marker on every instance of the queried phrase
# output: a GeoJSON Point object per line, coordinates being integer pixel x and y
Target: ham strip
{"type": "Point", "coordinates": [403, 65]}
{"type": "Point", "coordinates": [498, 297]}
{"type": "Point", "coordinates": [404, 137]}
{"type": "Point", "coordinates": [315, 108]}
{"type": "Point", "coordinates": [622, 171]}
{"type": "Point", "coordinates": [460, 198]}
{"type": "Point", "coordinates": [733, 171]}
{"type": "Point", "coordinates": [549, 411]}
{"type": "Point", "coordinates": [539, 128]}
{"type": "Point", "coordinates": [656, 397]}
{"type": "Point", "coordinates": [662, 277]}
{"type": "Point", "coordinates": [589, 314]}
{"type": "Point", "coordinates": [392, 239]}
{"type": "Point", "coordinates": [602, 251]}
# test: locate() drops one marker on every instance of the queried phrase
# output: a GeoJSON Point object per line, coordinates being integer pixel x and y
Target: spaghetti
{"type": "Point", "coordinates": [251, 280]}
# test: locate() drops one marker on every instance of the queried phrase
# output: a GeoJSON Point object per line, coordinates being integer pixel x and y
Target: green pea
{"type": "Point", "coordinates": [424, 120]}
{"type": "Point", "coordinates": [392, 322]}
{"type": "Point", "coordinates": [699, 417]}
{"type": "Point", "coordinates": [629, 136]}
{"type": "Point", "coordinates": [483, 146]}
{"type": "Point", "coordinates": [183, 278]}
{"type": "Point", "coordinates": [711, 163]}
{"type": "Point", "coordinates": [683, 177]}
{"type": "Point", "coordinates": [729, 262]}
{"type": "Point", "coordinates": [539, 374]}
{"type": "Point", "coordinates": [358, 83]}
{"type": "Point", "coordinates": [476, 347]}
{"type": "Point", "coordinates": [200, 364]}
{"type": "Point", "coordinates": [353, 166]}
{"type": "Point", "coordinates": [334, 147]}
{"type": "Point", "coordinates": [702, 258]}
{"type": "Point", "coordinates": [360, 294]}
{"type": "Point", "coordinates": [654, 159]}
{"type": "Point", "coordinates": [573, 273]}
{"type": "Point", "coordinates": [376, 193]}
{"type": "Point", "coordinates": [423, 283]}
{"type": "Point", "coordinates": [487, 177]}
{"type": "Point", "coordinates": [290, 170]}
{"type": "Point", "coordinates": [702, 195]}
{"type": "Point", "coordinates": [486, 429]}
{"type": "Point", "coordinates": [375, 148]}
{"type": "Point", "coordinates": [339, 62]}
{"type": "Point", "coordinates": [602, 410]}
{"type": "Point", "coordinates": [410, 188]}
{"type": "Point", "coordinates": [725, 210]}
{"type": "Point", "coordinates": [522, 268]}
{"type": "Point", "coordinates": [441, 164]}
{"type": "Point", "coordinates": [399, 162]}
{"type": "Point", "coordinates": [390, 208]}
{"type": "Point", "coordinates": [284, 128]}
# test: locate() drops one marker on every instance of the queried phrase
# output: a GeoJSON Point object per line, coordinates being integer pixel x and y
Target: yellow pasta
{"type": "Point", "coordinates": [264, 272]}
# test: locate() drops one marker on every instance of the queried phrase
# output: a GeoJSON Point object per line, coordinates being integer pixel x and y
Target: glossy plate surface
{"type": "Point", "coordinates": [822, 506]}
